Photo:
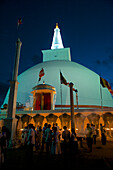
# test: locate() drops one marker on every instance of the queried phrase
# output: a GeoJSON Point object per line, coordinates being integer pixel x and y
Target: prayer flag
{"type": "Point", "coordinates": [105, 84]}
{"type": "Point", "coordinates": [41, 74]}
{"type": "Point", "coordinates": [63, 80]}
{"type": "Point", "coordinates": [19, 22]}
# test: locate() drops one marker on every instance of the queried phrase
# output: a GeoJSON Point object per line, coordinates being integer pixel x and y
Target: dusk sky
{"type": "Point", "coordinates": [86, 27]}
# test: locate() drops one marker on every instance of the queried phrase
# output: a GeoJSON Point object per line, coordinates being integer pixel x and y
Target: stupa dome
{"type": "Point", "coordinates": [56, 60]}
{"type": "Point", "coordinates": [85, 81]}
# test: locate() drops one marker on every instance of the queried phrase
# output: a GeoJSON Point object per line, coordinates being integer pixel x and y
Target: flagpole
{"type": "Point", "coordinates": [76, 91]}
{"type": "Point", "coordinates": [38, 81]}
{"type": "Point", "coordinates": [101, 98]}
{"type": "Point", "coordinates": [18, 27]}
{"type": "Point", "coordinates": [72, 106]}
{"type": "Point", "coordinates": [61, 94]}
{"type": "Point", "coordinates": [60, 90]}
{"type": "Point", "coordinates": [77, 98]}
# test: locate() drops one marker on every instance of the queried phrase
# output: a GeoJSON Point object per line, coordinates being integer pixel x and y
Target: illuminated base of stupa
{"type": "Point", "coordinates": [62, 117]}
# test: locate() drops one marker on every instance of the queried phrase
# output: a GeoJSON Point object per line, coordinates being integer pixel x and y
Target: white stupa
{"type": "Point", "coordinates": [55, 60]}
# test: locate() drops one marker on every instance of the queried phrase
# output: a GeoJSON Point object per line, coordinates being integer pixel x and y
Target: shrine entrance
{"type": "Point", "coordinates": [44, 97]}
{"type": "Point", "coordinates": [47, 101]}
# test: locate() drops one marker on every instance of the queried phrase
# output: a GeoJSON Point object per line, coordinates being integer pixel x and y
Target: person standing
{"type": "Point", "coordinates": [3, 145]}
{"type": "Point", "coordinates": [89, 137]}
{"type": "Point", "coordinates": [38, 138]}
{"type": "Point", "coordinates": [103, 136]}
{"type": "Point", "coordinates": [94, 133]}
{"type": "Point", "coordinates": [66, 137]}
{"type": "Point", "coordinates": [55, 147]}
{"type": "Point", "coordinates": [73, 143]}
{"type": "Point", "coordinates": [43, 136]}
{"type": "Point", "coordinates": [48, 138]}
{"type": "Point", "coordinates": [30, 144]}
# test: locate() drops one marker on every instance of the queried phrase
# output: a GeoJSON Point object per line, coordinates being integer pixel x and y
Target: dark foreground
{"type": "Point", "coordinates": [101, 157]}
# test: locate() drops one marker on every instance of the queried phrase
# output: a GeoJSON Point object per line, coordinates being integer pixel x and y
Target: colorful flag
{"type": "Point", "coordinates": [63, 80]}
{"type": "Point", "coordinates": [105, 84]}
{"type": "Point", "coordinates": [19, 22]}
{"type": "Point", "coordinates": [41, 74]}
{"type": "Point", "coordinates": [111, 91]}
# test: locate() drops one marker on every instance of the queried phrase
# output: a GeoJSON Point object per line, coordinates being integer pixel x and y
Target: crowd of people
{"type": "Point", "coordinates": [51, 140]}
{"type": "Point", "coordinates": [56, 141]}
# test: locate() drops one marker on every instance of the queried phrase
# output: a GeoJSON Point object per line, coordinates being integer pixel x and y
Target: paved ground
{"type": "Point", "coordinates": [101, 157]}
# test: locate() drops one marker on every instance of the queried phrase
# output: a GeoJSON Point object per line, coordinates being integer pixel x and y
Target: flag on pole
{"type": "Point", "coordinates": [105, 84]}
{"type": "Point", "coordinates": [63, 80]}
{"type": "Point", "coordinates": [41, 74]}
{"type": "Point", "coordinates": [19, 22]}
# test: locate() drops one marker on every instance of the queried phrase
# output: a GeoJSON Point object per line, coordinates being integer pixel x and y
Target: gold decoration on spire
{"type": "Point", "coordinates": [56, 25]}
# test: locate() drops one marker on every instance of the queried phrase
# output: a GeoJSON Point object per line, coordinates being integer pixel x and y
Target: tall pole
{"type": "Point", "coordinates": [61, 94]}
{"type": "Point", "coordinates": [77, 99]}
{"type": "Point", "coordinates": [101, 98]}
{"type": "Point", "coordinates": [76, 91]}
{"type": "Point", "coordinates": [17, 57]}
{"type": "Point", "coordinates": [72, 106]}
{"type": "Point", "coordinates": [11, 121]}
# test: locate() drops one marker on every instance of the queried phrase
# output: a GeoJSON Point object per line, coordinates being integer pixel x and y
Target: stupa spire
{"type": "Point", "coordinates": [57, 40]}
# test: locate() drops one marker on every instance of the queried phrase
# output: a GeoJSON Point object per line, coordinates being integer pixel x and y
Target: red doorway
{"type": "Point", "coordinates": [38, 102]}
{"type": "Point", "coordinates": [47, 101]}
{"type": "Point", "coordinates": [42, 101]}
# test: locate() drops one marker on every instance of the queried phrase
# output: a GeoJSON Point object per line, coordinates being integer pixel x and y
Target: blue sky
{"type": "Point", "coordinates": [86, 27]}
